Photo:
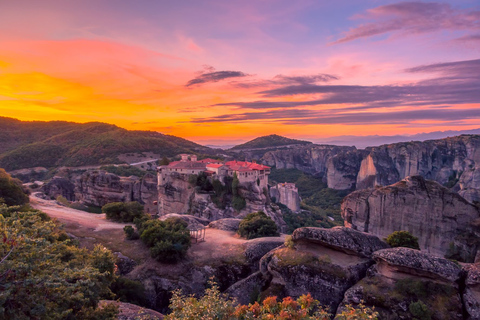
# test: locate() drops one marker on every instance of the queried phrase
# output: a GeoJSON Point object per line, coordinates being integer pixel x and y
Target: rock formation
{"type": "Point", "coordinates": [442, 220]}
{"type": "Point", "coordinates": [406, 283]}
{"type": "Point", "coordinates": [450, 161]}
{"type": "Point", "coordinates": [98, 187]}
{"type": "Point", "coordinates": [286, 194]}
{"type": "Point", "coordinates": [324, 262]}
{"type": "Point", "coordinates": [179, 196]}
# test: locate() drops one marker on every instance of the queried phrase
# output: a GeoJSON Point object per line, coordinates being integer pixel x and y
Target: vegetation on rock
{"type": "Point", "coordinates": [123, 211]}
{"type": "Point", "coordinates": [124, 171]}
{"type": "Point", "coordinates": [11, 192]}
{"type": "Point", "coordinates": [256, 225]}
{"type": "Point", "coordinates": [402, 239]}
{"type": "Point", "coordinates": [214, 305]}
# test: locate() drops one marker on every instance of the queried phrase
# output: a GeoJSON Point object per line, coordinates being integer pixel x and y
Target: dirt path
{"type": "Point", "coordinates": [71, 216]}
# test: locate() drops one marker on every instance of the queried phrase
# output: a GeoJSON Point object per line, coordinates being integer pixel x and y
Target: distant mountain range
{"type": "Point", "coordinates": [57, 143]}
{"type": "Point", "coordinates": [269, 142]}
{"type": "Point", "coordinates": [362, 142]}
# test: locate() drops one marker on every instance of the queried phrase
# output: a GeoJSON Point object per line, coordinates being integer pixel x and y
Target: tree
{"type": "Point", "coordinates": [43, 275]}
{"type": "Point", "coordinates": [168, 240]}
{"type": "Point", "coordinates": [256, 225]}
{"type": "Point", "coordinates": [123, 211]}
{"type": "Point", "coordinates": [11, 190]}
{"type": "Point", "coordinates": [235, 184]}
{"type": "Point", "coordinates": [402, 239]}
{"type": "Point", "coordinates": [164, 162]}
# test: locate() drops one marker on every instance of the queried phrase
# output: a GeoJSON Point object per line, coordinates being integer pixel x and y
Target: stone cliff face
{"type": "Point", "coordinates": [99, 187]}
{"type": "Point", "coordinates": [453, 161]}
{"type": "Point", "coordinates": [179, 196]}
{"type": "Point", "coordinates": [441, 219]}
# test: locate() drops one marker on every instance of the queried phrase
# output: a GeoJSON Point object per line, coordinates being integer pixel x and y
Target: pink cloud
{"type": "Point", "coordinates": [413, 18]}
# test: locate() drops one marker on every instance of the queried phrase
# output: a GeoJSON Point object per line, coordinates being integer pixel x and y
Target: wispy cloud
{"type": "Point", "coordinates": [413, 18]}
{"type": "Point", "coordinates": [281, 79]}
{"type": "Point", "coordinates": [210, 75]}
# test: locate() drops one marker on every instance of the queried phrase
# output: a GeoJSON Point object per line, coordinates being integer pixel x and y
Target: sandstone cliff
{"type": "Point", "coordinates": [441, 219]}
{"type": "Point", "coordinates": [98, 187]}
{"type": "Point", "coordinates": [179, 196]}
{"type": "Point", "coordinates": [450, 161]}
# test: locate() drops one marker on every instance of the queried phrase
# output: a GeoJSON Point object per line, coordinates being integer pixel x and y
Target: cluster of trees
{"type": "Point", "coordinates": [123, 211]}
{"type": "Point", "coordinates": [168, 240]}
{"type": "Point", "coordinates": [44, 275]}
{"type": "Point", "coordinates": [124, 171]}
{"type": "Point", "coordinates": [402, 239]}
{"type": "Point", "coordinates": [215, 305]}
{"type": "Point", "coordinates": [256, 225]}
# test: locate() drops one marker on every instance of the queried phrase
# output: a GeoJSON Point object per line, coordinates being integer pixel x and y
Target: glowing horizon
{"type": "Point", "coordinates": [238, 70]}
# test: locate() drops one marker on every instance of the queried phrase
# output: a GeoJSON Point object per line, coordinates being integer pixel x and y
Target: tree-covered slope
{"type": "Point", "coordinates": [50, 144]}
{"type": "Point", "coordinates": [269, 141]}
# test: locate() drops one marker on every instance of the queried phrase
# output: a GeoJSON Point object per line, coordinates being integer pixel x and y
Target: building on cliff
{"type": "Point", "coordinates": [169, 175]}
{"type": "Point", "coordinates": [287, 194]}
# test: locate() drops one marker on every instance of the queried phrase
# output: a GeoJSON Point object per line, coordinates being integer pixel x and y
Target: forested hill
{"type": "Point", "coordinates": [269, 141]}
{"type": "Point", "coordinates": [56, 143]}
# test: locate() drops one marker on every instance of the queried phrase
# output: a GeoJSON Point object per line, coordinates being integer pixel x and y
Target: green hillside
{"type": "Point", "coordinates": [269, 141]}
{"type": "Point", "coordinates": [57, 143]}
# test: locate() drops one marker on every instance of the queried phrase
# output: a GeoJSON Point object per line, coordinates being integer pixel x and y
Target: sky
{"type": "Point", "coordinates": [218, 71]}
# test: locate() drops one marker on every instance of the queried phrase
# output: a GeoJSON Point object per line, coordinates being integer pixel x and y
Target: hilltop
{"type": "Point", "coordinates": [269, 141]}
{"type": "Point", "coordinates": [59, 143]}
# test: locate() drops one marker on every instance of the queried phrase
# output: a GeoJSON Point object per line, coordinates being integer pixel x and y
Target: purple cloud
{"type": "Point", "coordinates": [413, 18]}
{"type": "Point", "coordinates": [215, 76]}
{"type": "Point", "coordinates": [281, 79]}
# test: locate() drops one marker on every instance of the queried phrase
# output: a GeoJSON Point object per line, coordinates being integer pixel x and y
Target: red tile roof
{"type": "Point", "coordinates": [209, 160]}
{"type": "Point", "coordinates": [215, 165]}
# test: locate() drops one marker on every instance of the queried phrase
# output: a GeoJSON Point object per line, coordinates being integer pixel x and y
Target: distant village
{"type": "Point", "coordinates": [246, 172]}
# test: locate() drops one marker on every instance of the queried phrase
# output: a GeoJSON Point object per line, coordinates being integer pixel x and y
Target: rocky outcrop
{"type": "Point", "coordinates": [442, 220]}
{"type": "Point", "coordinates": [406, 283]}
{"type": "Point", "coordinates": [193, 223]}
{"type": "Point", "coordinates": [286, 194]}
{"type": "Point", "coordinates": [59, 186]}
{"type": "Point", "coordinates": [324, 262]}
{"type": "Point", "coordinates": [128, 311]}
{"type": "Point", "coordinates": [342, 239]}
{"type": "Point", "coordinates": [255, 249]}
{"type": "Point", "coordinates": [471, 296]}
{"type": "Point", "coordinates": [451, 161]}
{"type": "Point", "coordinates": [227, 224]}
{"type": "Point", "coordinates": [338, 165]}
{"type": "Point", "coordinates": [124, 264]}
{"type": "Point", "coordinates": [248, 290]}
{"type": "Point", "coordinates": [98, 187]}
{"type": "Point", "coordinates": [179, 196]}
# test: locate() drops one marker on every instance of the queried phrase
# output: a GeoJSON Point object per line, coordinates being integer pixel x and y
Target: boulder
{"type": "Point", "coordinates": [406, 284]}
{"type": "Point", "coordinates": [124, 264]}
{"type": "Point", "coordinates": [227, 224]}
{"type": "Point", "coordinates": [440, 219]}
{"type": "Point", "coordinates": [471, 296]}
{"type": "Point", "coordinates": [128, 311]}
{"type": "Point", "coordinates": [248, 290]}
{"type": "Point", "coordinates": [342, 239]}
{"type": "Point", "coordinates": [58, 186]}
{"type": "Point", "coordinates": [255, 249]}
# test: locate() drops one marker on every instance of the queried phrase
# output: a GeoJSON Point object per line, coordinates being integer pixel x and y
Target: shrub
{"type": "Point", "coordinates": [256, 225]}
{"type": "Point", "coordinates": [216, 305]}
{"type": "Point", "coordinates": [11, 190]}
{"type": "Point", "coordinates": [360, 312]}
{"type": "Point", "coordinates": [168, 240]}
{"type": "Point", "coordinates": [123, 211]}
{"type": "Point", "coordinates": [402, 239]}
{"type": "Point", "coordinates": [130, 233]}
{"type": "Point", "coordinates": [420, 311]}
{"type": "Point", "coordinates": [238, 203]}
{"type": "Point", "coordinates": [130, 291]}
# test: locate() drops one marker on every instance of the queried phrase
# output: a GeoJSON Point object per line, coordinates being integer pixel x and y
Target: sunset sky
{"type": "Point", "coordinates": [212, 71]}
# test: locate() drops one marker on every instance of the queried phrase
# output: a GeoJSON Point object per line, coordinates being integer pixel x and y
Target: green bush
{"type": "Point", "coordinates": [238, 203]}
{"type": "Point", "coordinates": [124, 171]}
{"type": "Point", "coordinates": [402, 239]}
{"type": "Point", "coordinates": [123, 211]}
{"type": "Point", "coordinates": [168, 240]}
{"type": "Point", "coordinates": [420, 311]}
{"type": "Point", "coordinates": [256, 225]}
{"type": "Point", "coordinates": [130, 291]}
{"type": "Point", "coordinates": [11, 190]}
{"type": "Point", "coordinates": [130, 233]}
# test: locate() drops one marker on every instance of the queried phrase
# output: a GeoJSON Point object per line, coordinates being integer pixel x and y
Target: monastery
{"type": "Point", "coordinates": [245, 171]}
